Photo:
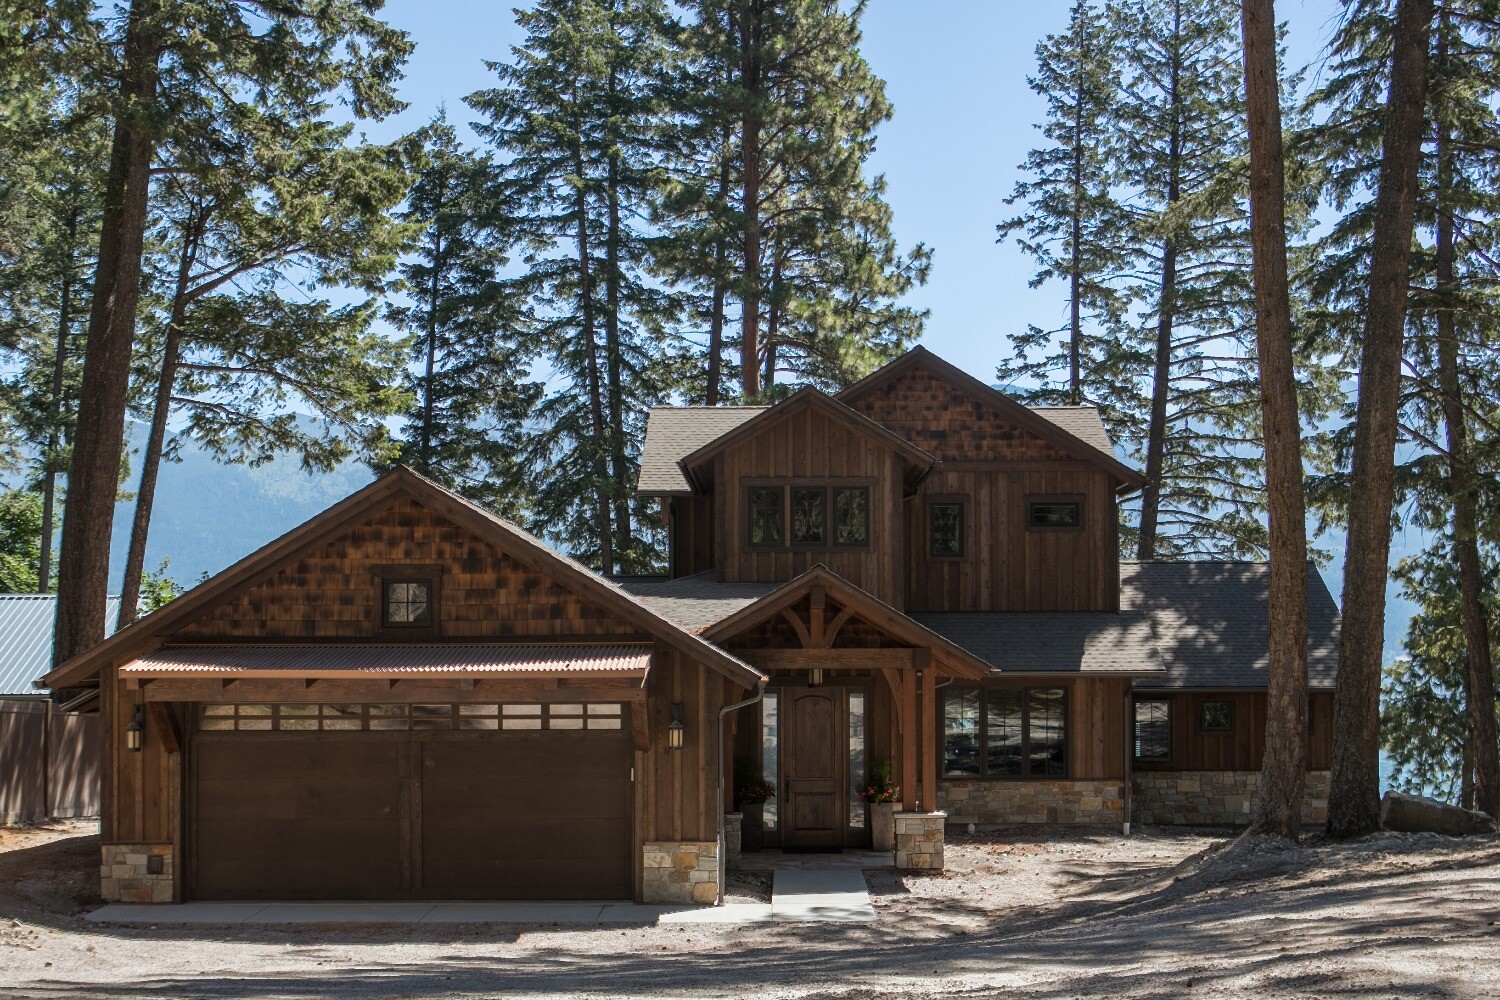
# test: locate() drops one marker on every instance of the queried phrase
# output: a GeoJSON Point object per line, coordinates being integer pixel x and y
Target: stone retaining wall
{"type": "Point", "coordinates": [126, 876]}
{"type": "Point", "coordinates": [1214, 798]}
{"type": "Point", "coordinates": [919, 841]}
{"type": "Point", "coordinates": [681, 872]}
{"type": "Point", "coordinates": [1016, 803]}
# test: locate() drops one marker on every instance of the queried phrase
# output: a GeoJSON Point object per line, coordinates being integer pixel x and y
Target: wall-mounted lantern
{"type": "Point", "coordinates": [675, 729]}
{"type": "Point", "coordinates": [815, 676]}
{"type": "Point", "coordinates": [136, 729]}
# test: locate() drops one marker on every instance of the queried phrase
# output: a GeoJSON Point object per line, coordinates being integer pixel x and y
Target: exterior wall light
{"type": "Point", "coordinates": [136, 729]}
{"type": "Point", "coordinates": [675, 728]}
{"type": "Point", "coordinates": [815, 676]}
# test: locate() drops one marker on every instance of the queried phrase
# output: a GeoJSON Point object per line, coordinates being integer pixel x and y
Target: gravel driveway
{"type": "Point", "coordinates": [1040, 914]}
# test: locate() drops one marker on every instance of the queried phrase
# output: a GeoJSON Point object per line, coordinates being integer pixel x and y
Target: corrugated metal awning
{"type": "Point", "coordinates": [423, 660]}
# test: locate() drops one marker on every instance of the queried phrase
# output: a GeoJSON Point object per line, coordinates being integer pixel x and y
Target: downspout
{"type": "Point", "coordinates": [760, 692]}
{"type": "Point", "coordinates": [1129, 753]}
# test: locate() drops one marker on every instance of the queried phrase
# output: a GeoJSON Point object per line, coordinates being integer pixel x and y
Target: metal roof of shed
{"type": "Point", "coordinates": [26, 624]}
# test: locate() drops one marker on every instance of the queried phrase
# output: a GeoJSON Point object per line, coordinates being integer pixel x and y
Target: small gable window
{"type": "Point", "coordinates": [765, 516]}
{"type": "Point", "coordinates": [1153, 730]}
{"type": "Point", "coordinates": [945, 529]}
{"type": "Point", "coordinates": [851, 515]}
{"type": "Point", "coordinates": [407, 603]}
{"type": "Point", "coordinates": [1050, 513]}
{"type": "Point", "coordinates": [1216, 716]}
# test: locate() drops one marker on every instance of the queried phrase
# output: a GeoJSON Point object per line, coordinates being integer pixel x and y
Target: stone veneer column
{"type": "Point", "coordinates": [733, 824]}
{"type": "Point", "coordinates": [681, 872]}
{"type": "Point", "coordinates": [126, 876]}
{"type": "Point", "coordinates": [919, 841]}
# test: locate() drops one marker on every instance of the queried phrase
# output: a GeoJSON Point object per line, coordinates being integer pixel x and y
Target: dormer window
{"type": "Point", "coordinates": [807, 516]}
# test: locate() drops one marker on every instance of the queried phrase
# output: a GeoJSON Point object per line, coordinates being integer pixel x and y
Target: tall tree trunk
{"type": "Point", "coordinates": [1479, 677]}
{"type": "Point", "coordinates": [1161, 380]}
{"type": "Point", "coordinates": [145, 498]}
{"type": "Point", "coordinates": [598, 446]}
{"type": "Point", "coordinates": [773, 319]}
{"type": "Point", "coordinates": [716, 308]}
{"type": "Point", "coordinates": [750, 122]}
{"type": "Point", "coordinates": [1354, 795]}
{"type": "Point", "coordinates": [615, 361]}
{"type": "Point", "coordinates": [1278, 808]}
{"type": "Point", "coordinates": [55, 406]}
{"type": "Point", "coordinates": [434, 296]}
{"type": "Point", "coordinates": [98, 444]}
{"type": "Point", "coordinates": [1075, 308]}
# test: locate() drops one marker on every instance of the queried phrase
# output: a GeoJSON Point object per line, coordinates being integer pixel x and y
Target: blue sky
{"type": "Point", "coordinates": [955, 72]}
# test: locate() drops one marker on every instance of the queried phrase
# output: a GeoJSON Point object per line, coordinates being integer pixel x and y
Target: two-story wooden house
{"type": "Point", "coordinates": [408, 697]}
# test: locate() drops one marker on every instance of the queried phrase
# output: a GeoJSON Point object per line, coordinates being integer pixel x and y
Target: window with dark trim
{"type": "Point", "coordinates": [807, 516]}
{"type": "Point", "coordinates": [765, 515]}
{"type": "Point", "coordinates": [851, 515]}
{"type": "Point", "coordinates": [945, 529]}
{"type": "Point", "coordinates": [406, 603]}
{"type": "Point", "coordinates": [1054, 513]}
{"type": "Point", "coordinates": [1216, 716]}
{"type": "Point", "coordinates": [1153, 730]}
{"type": "Point", "coordinates": [1005, 732]}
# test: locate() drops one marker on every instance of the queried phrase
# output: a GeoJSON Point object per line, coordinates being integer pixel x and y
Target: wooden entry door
{"type": "Point", "coordinates": [814, 787]}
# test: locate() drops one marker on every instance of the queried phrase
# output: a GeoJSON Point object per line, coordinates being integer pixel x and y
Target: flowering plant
{"type": "Point", "coordinates": [882, 789]}
{"type": "Point", "coordinates": [750, 786]}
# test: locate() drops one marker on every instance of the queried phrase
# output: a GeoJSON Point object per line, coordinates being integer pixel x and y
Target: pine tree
{"type": "Point", "coordinates": [468, 381]}
{"type": "Point", "coordinates": [1072, 224]}
{"type": "Point", "coordinates": [575, 117]}
{"type": "Point", "coordinates": [181, 67]}
{"type": "Point", "coordinates": [242, 350]}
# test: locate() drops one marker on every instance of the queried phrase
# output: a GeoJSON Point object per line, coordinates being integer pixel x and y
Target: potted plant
{"type": "Point", "coordinates": [882, 794]}
{"type": "Point", "coordinates": [750, 794]}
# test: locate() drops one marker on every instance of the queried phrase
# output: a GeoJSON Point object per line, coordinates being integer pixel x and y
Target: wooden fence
{"type": "Point", "coordinates": [49, 763]}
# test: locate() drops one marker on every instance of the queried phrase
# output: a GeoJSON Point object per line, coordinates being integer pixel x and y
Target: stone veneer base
{"type": "Point", "coordinates": [919, 841]}
{"type": "Point", "coordinates": [125, 874]}
{"type": "Point", "coordinates": [680, 872]}
{"type": "Point", "coordinates": [1035, 800]}
{"type": "Point", "coordinates": [1214, 798]}
{"type": "Point", "coordinates": [734, 824]}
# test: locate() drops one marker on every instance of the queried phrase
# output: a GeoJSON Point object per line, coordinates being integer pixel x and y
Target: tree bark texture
{"type": "Point", "coordinates": [55, 408]}
{"type": "Point", "coordinates": [94, 475]}
{"type": "Point", "coordinates": [1284, 766]}
{"type": "Point", "coordinates": [1354, 796]}
{"type": "Point", "coordinates": [750, 122]}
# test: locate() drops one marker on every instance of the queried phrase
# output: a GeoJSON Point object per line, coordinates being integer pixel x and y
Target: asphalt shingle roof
{"type": "Point", "coordinates": [1052, 641]}
{"type": "Point", "coordinates": [1211, 622]}
{"type": "Point", "coordinates": [674, 432]}
{"type": "Point", "coordinates": [1190, 624]}
{"type": "Point", "coordinates": [26, 622]}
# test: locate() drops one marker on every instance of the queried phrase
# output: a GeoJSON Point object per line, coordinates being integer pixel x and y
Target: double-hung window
{"type": "Point", "coordinates": [1010, 732]}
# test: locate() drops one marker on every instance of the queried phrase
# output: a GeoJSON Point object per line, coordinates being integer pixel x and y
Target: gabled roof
{"type": "Point", "coordinates": [1047, 642]}
{"type": "Point", "coordinates": [1083, 422]}
{"type": "Point", "coordinates": [1212, 622]}
{"type": "Point", "coordinates": [808, 397]}
{"type": "Point", "coordinates": [959, 661]}
{"type": "Point", "coordinates": [675, 431]}
{"type": "Point", "coordinates": [145, 634]}
{"type": "Point", "coordinates": [27, 622]}
{"type": "Point", "coordinates": [1060, 431]}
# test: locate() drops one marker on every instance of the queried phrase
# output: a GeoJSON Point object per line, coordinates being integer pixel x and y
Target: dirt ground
{"type": "Point", "coordinates": [1040, 914]}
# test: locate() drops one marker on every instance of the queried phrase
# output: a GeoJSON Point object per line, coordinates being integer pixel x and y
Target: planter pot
{"type": "Point", "coordinates": [751, 826]}
{"type": "Point", "coordinates": [883, 826]}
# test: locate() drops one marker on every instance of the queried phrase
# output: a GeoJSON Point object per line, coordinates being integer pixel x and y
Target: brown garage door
{"type": "Point", "coordinates": [425, 801]}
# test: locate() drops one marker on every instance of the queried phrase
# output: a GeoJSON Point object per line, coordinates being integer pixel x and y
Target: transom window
{"type": "Point", "coordinates": [945, 529]}
{"type": "Point", "coordinates": [1153, 729]}
{"type": "Point", "coordinates": [1005, 732]}
{"type": "Point", "coordinates": [1054, 513]}
{"type": "Point", "coordinates": [1216, 716]}
{"type": "Point", "coordinates": [407, 718]}
{"type": "Point", "coordinates": [815, 516]}
{"type": "Point", "coordinates": [407, 603]}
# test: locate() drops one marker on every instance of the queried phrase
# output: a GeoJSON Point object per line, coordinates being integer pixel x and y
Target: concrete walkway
{"type": "Point", "coordinates": [796, 896]}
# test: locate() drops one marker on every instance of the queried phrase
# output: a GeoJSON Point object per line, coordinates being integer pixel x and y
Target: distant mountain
{"type": "Point", "coordinates": [208, 515]}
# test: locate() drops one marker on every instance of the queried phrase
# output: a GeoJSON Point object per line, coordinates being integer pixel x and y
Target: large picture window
{"type": "Point", "coordinates": [807, 516]}
{"type": "Point", "coordinates": [1153, 730]}
{"type": "Point", "coordinates": [1005, 732]}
